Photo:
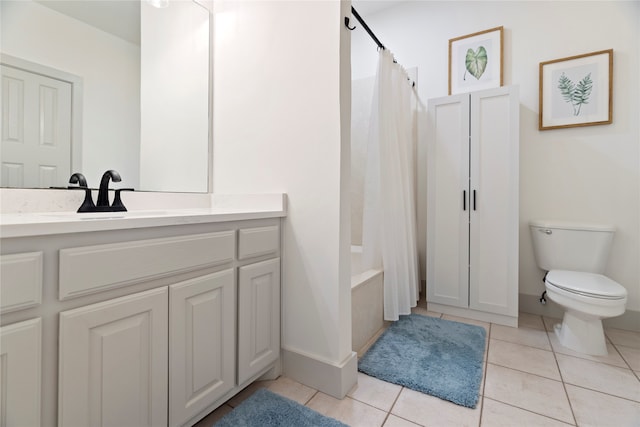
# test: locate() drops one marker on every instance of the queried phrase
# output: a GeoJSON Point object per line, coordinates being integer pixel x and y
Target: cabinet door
{"type": "Point", "coordinates": [113, 362]}
{"type": "Point", "coordinates": [448, 201]}
{"type": "Point", "coordinates": [258, 317]}
{"type": "Point", "coordinates": [20, 370]}
{"type": "Point", "coordinates": [494, 188]}
{"type": "Point", "coordinates": [201, 343]}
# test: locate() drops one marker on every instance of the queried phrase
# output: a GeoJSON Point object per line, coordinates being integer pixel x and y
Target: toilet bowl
{"type": "Point", "coordinates": [575, 256]}
{"type": "Point", "coordinates": [587, 298]}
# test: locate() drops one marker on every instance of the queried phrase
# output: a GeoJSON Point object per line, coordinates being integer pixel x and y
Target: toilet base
{"type": "Point", "coordinates": [583, 334]}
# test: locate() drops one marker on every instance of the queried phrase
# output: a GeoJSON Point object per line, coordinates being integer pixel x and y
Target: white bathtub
{"type": "Point", "coordinates": [366, 301]}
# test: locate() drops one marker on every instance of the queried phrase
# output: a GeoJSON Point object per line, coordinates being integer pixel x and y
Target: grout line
{"type": "Point", "coordinates": [529, 411]}
{"type": "Point", "coordinates": [564, 385]}
{"type": "Point", "coordinates": [484, 375]}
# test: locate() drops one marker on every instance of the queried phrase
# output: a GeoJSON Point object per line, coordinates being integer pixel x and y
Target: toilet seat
{"type": "Point", "coordinates": [586, 284]}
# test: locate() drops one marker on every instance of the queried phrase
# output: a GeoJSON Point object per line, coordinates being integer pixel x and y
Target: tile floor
{"type": "Point", "coordinates": [529, 380]}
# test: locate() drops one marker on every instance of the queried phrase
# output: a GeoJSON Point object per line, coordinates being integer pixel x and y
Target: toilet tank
{"type": "Point", "coordinates": [571, 246]}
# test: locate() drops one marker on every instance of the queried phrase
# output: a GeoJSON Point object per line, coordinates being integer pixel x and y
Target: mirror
{"type": "Point", "coordinates": [89, 86]}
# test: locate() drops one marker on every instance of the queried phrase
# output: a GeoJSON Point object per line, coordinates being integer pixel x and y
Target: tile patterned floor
{"type": "Point", "coordinates": [529, 380]}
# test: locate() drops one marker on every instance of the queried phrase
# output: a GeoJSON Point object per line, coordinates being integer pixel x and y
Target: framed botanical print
{"type": "Point", "coordinates": [475, 61]}
{"type": "Point", "coordinates": [576, 91]}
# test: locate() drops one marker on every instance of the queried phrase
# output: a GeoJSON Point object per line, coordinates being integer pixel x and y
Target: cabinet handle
{"type": "Point", "coordinates": [464, 200]}
{"type": "Point", "coordinates": [474, 200]}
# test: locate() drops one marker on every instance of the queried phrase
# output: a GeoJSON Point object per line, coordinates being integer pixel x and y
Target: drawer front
{"type": "Point", "coordinates": [258, 241]}
{"type": "Point", "coordinates": [92, 269]}
{"type": "Point", "coordinates": [21, 278]}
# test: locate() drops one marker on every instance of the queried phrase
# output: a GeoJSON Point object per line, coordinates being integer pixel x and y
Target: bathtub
{"type": "Point", "coordinates": [366, 301]}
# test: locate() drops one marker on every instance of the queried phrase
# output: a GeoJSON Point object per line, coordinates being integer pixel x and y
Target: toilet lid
{"type": "Point", "coordinates": [589, 284]}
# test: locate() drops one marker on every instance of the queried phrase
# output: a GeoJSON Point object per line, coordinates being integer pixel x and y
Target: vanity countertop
{"type": "Point", "coordinates": [47, 223]}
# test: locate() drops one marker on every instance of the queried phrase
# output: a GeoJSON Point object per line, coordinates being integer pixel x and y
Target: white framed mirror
{"type": "Point", "coordinates": [117, 84]}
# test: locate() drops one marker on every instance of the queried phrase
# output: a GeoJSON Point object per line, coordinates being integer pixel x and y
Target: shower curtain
{"type": "Point", "coordinates": [389, 212]}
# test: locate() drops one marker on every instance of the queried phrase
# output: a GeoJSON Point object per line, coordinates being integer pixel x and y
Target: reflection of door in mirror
{"type": "Point", "coordinates": [36, 129]}
{"type": "Point", "coordinates": [165, 145]}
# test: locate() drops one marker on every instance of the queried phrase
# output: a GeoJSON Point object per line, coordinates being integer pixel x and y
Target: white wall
{"type": "Point", "coordinates": [110, 69]}
{"type": "Point", "coordinates": [174, 131]}
{"type": "Point", "coordinates": [589, 174]}
{"type": "Point", "coordinates": [278, 128]}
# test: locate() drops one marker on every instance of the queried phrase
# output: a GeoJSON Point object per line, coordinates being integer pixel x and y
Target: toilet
{"type": "Point", "coordinates": [575, 256]}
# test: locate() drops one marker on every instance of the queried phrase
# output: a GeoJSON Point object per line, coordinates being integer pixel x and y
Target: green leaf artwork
{"type": "Point", "coordinates": [475, 62]}
{"type": "Point", "coordinates": [575, 94]}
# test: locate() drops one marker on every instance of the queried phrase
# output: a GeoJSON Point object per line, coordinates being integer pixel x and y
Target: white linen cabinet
{"type": "Point", "coordinates": [472, 205]}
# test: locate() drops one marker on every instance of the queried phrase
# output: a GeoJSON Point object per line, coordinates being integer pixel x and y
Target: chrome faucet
{"type": "Point", "coordinates": [103, 192]}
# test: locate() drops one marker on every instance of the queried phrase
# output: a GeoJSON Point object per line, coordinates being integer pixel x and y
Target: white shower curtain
{"type": "Point", "coordinates": [389, 214]}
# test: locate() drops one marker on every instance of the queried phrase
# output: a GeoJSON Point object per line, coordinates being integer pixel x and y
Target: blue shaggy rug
{"type": "Point", "coordinates": [266, 409]}
{"type": "Point", "coordinates": [430, 355]}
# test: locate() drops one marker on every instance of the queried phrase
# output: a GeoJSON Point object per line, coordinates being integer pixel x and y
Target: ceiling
{"type": "Point", "coordinates": [120, 18]}
{"type": "Point", "coordinates": [368, 7]}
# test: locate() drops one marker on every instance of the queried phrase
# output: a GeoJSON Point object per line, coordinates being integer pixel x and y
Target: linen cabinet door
{"type": "Point", "coordinates": [113, 362]}
{"type": "Point", "coordinates": [20, 362]}
{"type": "Point", "coordinates": [201, 343]}
{"type": "Point", "coordinates": [494, 211]}
{"type": "Point", "coordinates": [448, 201]}
{"type": "Point", "coordinates": [258, 317]}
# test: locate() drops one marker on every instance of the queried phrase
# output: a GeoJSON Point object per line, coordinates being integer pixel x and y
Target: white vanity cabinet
{"type": "Point", "coordinates": [113, 362]}
{"type": "Point", "coordinates": [472, 205]}
{"type": "Point", "coordinates": [202, 343]}
{"type": "Point", "coordinates": [20, 364]}
{"type": "Point", "coordinates": [145, 327]}
{"type": "Point", "coordinates": [20, 342]}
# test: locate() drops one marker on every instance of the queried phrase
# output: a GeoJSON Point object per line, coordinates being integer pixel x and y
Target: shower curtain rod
{"type": "Point", "coordinates": [364, 25]}
{"type": "Point", "coordinates": [368, 30]}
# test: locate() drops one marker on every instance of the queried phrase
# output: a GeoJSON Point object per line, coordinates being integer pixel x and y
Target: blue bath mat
{"type": "Point", "coordinates": [266, 409]}
{"type": "Point", "coordinates": [430, 355]}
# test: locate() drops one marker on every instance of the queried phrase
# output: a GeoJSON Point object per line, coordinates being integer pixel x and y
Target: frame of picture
{"type": "Point", "coordinates": [475, 61]}
{"type": "Point", "coordinates": [576, 91]}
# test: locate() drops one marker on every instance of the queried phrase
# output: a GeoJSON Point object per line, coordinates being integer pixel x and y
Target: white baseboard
{"type": "Point", "coordinates": [333, 379]}
{"type": "Point", "coordinates": [500, 319]}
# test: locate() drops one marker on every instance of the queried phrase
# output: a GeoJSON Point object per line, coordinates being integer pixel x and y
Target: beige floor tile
{"type": "Point", "coordinates": [428, 410]}
{"type": "Point", "coordinates": [631, 356]}
{"type": "Point", "coordinates": [498, 414]}
{"type": "Point", "coordinates": [525, 336]}
{"type": "Point", "coordinates": [613, 358]}
{"type": "Point", "coordinates": [550, 322]}
{"type": "Point", "coordinates": [291, 389]}
{"type": "Point", "coordinates": [523, 358]}
{"type": "Point", "coordinates": [375, 392]}
{"type": "Point", "coordinates": [531, 392]}
{"type": "Point", "coordinates": [424, 312]}
{"type": "Point", "coordinates": [347, 410]}
{"type": "Point", "coordinates": [622, 337]}
{"type": "Point", "coordinates": [597, 409]}
{"type": "Point", "coordinates": [246, 392]}
{"type": "Point", "coordinates": [531, 321]}
{"type": "Point", "coordinates": [393, 421]}
{"type": "Point", "coordinates": [214, 416]}
{"type": "Point", "coordinates": [485, 325]}
{"type": "Point", "coordinates": [599, 376]}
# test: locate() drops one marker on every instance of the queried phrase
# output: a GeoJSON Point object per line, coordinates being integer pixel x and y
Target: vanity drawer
{"type": "Point", "coordinates": [21, 278]}
{"type": "Point", "coordinates": [92, 269]}
{"type": "Point", "coordinates": [257, 241]}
